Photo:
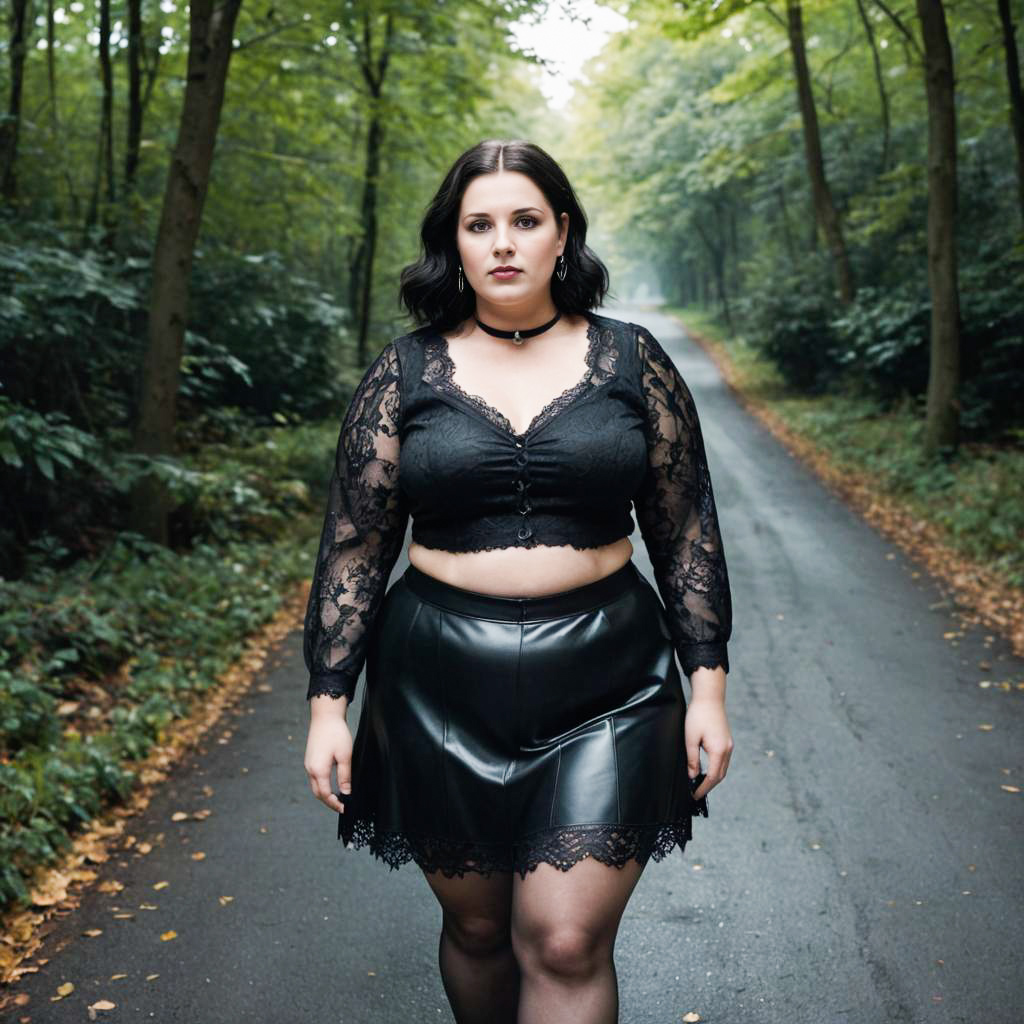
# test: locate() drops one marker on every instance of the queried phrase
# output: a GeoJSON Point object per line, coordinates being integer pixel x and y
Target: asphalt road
{"type": "Point", "coordinates": [861, 863]}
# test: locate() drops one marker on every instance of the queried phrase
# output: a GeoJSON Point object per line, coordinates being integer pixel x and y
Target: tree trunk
{"type": "Point", "coordinates": [361, 276]}
{"type": "Point", "coordinates": [105, 154]}
{"type": "Point", "coordinates": [716, 249]}
{"type": "Point", "coordinates": [211, 28]}
{"type": "Point", "coordinates": [1016, 103]}
{"type": "Point", "coordinates": [824, 208]}
{"type": "Point", "coordinates": [369, 245]}
{"type": "Point", "coordinates": [883, 96]}
{"type": "Point", "coordinates": [943, 405]}
{"type": "Point", "coordinates": [134, 139]}
{"type": "Point", "coordinates": [10, 129]}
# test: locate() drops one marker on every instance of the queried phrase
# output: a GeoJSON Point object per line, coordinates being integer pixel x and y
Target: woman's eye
{"type": "Point", "coordinates": [477, 223]}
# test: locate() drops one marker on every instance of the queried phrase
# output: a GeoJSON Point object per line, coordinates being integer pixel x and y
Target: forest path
{"type": "Point", "coordinates": [861, 862]}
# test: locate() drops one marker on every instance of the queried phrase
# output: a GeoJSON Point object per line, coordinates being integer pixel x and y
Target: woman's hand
{"type": "Point", "coordinates": [329, 742]}
{"type": "Point", "coordinates": [706, 726]}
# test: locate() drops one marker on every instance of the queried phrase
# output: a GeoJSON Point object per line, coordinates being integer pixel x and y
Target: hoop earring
{"type": "Point", "coordinates": [562, 268]}
{"type": "Point", "coordinates": [461, 282]}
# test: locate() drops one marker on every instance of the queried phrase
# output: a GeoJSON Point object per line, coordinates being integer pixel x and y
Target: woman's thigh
{"type": "Point", "coordinates": [564, 921]}
{"type": "Point", "coordinates": [477, 909]}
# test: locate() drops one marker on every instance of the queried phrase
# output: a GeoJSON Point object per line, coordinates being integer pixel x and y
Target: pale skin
{"type": "Point", "coordinates": [505, 220]}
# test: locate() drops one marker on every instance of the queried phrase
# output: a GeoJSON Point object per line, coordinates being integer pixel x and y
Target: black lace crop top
{"type": "Point", "coordinates": [414, 444]}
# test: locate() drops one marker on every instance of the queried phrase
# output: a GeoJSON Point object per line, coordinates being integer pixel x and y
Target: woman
{"type": "Point", "coordinates": [524, 737]}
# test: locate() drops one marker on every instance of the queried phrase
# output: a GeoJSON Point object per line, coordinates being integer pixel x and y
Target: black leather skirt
{"type": "Point", "coordinates": [497, 733]}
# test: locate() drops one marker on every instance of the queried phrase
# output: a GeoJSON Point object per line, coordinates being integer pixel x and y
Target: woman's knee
{"type": "Point", "coordinates": [562, 950]}
{"type": "Point", "coordinates": [476, 934]}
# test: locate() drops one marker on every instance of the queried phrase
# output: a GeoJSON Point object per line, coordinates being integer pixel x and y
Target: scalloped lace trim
{"type": "Point", "coordinates": [562, 846]}
{"type": "Point", "coordinates": [601, 358]}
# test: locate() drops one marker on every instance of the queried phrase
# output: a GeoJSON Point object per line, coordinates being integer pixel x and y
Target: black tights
{"type": "Point", "coordinates": [534, 950]}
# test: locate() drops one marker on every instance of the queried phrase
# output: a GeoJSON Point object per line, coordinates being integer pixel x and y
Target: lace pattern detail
{"type": "Point", "coordinates": [601, 358]}
{"type": "Point", "coordinates": [677, 516]}
{"type": "Point", "coordinates": [363, 532]}
{"type": "Point", "coordinates": [562, 846]}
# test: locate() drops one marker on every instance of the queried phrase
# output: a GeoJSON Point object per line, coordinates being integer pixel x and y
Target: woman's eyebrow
{"type": "Point", "coordinates": [522, 209]}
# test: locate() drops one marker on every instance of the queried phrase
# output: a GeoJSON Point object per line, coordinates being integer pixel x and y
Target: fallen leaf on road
{"type": "Point", "coordinates": [167, 936]}
{"type": "Point", "coordinates": [179, 816]}
{"type": "Point", "coordinates": [691, 1017]}
{"type": "Point", "coordinates": [199, 855]}
{"type": "Point", "coordinates": [93, 932]}
{"type": "Point", "coordinates": [986, 727]}
{"type": "Point", "coordinates": [1010, 789]}
{"type": "Point", "coordinates": [161, 885]}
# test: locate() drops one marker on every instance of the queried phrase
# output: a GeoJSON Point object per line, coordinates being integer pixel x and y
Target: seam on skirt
{"type": "Point", "coordinates": [554, 790]}
{"type": "Point", "coordinates": [615, 759]}
{"type": "Point", "coordinates": [444, 717]}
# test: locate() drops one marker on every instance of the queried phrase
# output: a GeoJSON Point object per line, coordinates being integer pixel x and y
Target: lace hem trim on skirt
{"type": "Point", "coordinates": [562, 846]}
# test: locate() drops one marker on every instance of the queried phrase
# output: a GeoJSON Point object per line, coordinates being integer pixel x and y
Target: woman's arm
{"type": "Point", "coordinates": [678, 520]}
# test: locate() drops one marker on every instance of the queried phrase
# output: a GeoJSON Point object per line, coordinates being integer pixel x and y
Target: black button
{"type": "Point", "coordinates": [522, 510]}
{"type": "Point", "coordinates": [521, 459]}
{"type": "Point", "coordinates": [525, 533]}
{"type": "Point", "coordinates": [520, 485]}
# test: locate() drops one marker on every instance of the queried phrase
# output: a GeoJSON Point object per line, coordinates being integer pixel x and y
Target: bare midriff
{"type": "Point", "coordinates": [522, 572]}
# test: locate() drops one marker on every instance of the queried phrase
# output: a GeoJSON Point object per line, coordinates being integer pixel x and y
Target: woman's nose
{"type": "Point", "coordinates": [502, 241]}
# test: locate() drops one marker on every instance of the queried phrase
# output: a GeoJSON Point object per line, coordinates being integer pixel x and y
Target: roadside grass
{"type": "Point", "coordinates": [976, 498]}
{"type": "Point", "coordinates": [100, 655]}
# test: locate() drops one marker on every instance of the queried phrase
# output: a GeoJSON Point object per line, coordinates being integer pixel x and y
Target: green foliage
{"type": "Point", "coordinates": [172, 622]}
{"type": "Point", "coordinates": [882, 342]}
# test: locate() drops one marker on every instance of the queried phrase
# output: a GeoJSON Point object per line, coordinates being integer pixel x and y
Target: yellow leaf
{"type": "Point", "coordinates": [691, 1017]}
{"type": "Point", "coordinates": [199, 855]}
{"type": "Point", "coordinates": [93, 932]}
{"type": "Point", "coordinates": [118, 977]}
{"type": "Point", "coordinates": [103, 1004]}
{"type": "Point", "coordinates": [1010, 789]}
{"type": "Point", "coordinates": [161, 885]}
{"type": "Point", "coordinates": [66, 989]}
{"type": "Point", "coordinates": [179, 816]}
{"type": "Point", "coordinates": [167, 936]}
{"type": "Point", "coordinates": [986, 727]}
{"type": "Point", "coordinates": [150, 977]}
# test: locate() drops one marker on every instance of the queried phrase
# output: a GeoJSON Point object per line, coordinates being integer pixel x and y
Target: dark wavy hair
{"type": "Point", "coordinates": [428, 287]}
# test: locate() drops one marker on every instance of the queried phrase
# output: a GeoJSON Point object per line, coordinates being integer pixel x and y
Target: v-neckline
{"type": "Point", "coordinates": [496, 417]}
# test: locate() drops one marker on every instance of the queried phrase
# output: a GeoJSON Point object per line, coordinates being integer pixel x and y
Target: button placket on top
{"type": "Point", "coordinates": [522, 484]}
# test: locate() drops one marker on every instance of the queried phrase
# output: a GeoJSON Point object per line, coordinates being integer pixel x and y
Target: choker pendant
{"type": "Point", "coordinates": [520, 336]}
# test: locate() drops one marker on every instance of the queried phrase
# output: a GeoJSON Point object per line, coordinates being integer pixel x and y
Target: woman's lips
{"type": "Point", "coordinates": [504, 275]}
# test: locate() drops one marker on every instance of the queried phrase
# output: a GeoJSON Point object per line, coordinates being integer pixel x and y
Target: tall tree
{"type": "Point", "coordinates": [20, 20]}
{"type": "Point", "coordinates": [104, 169]}
{"type": "Point", "coordinates": [373, 69]}
{"type": "Point", "coordinates": [825, 213]}
{"type": "Point", "coordinates": [211, 40]}
{"type": "Point", "coordinates": [943, 404]}
{"type": "Point", "coordinates": [1013, 85]}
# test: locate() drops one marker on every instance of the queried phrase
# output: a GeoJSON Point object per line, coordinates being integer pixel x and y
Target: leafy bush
{"type": "Point", "coordinates": [787, 315]}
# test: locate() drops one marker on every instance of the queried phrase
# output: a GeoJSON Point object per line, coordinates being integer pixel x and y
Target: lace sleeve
{"type": "Point", "coordinates": [363, 533]}
{"type": "Point", "coordinates": [676, 514]}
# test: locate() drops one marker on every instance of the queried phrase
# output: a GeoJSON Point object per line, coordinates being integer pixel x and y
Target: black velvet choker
{"type": "Point", "coordinates": [519, 336]}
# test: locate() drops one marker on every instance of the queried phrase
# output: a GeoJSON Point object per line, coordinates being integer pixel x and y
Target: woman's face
{"type": "Point", "coordinates": [505, 221]}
